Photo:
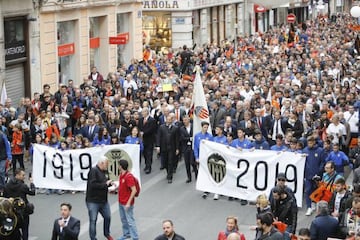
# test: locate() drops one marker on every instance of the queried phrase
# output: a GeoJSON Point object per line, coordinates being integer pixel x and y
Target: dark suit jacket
{"type": "Point", "coordinates": [176, 237]}
{"type": "Point", "coordinates": [149, 130]}
{"type": "Point", "coordinates": [168, 138]}
{"type": "Point", "coordinates": [216, 117]}
{"type": "Point", "coordinates": [123, 133]}
{"type": "Point", "coordinates": [86, 132]}
{"type": "Point", "coordinates": [181, 113]}
{"type": "Point", "coordinates": [70, 232]}
{"type": "Point", "coordinates": [263, 127]}
{"type": "Point", "coordinates": [185, 138]}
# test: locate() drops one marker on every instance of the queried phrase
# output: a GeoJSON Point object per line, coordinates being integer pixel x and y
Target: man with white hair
{"type": "Point", "coordinates": [97, 197]}
{"type": "Point", "coordinates": [233, 236]}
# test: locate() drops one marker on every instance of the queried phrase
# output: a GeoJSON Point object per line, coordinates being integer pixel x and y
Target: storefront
{"type": "Point", "coordinates": [16, 57]}
{"type": "Point", "coordinates": [176, 23]}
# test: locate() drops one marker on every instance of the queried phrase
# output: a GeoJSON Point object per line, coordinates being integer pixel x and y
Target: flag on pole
{"type": "Point", "coordinates": [3, 94]}
{"type": "Point", "coordinates": [199, 105]}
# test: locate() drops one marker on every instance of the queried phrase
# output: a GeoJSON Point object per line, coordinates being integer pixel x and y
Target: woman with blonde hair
{"type": "Point", "coordinates": [231, 227]}
{"type": "Point", "coordinates": [262, 204]}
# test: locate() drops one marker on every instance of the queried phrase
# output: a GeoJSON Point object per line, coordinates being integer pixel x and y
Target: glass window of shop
{"type": "Point", "coordinates": [123, 23]}
{"type": "Point", "coordinates": [66, 61]}
{"type": "Point", "coordinates": [157, 30]}
{"type": "Point", "coordinates": [15, 46]}
{"type": "Point", "coordinates": [94, 33]}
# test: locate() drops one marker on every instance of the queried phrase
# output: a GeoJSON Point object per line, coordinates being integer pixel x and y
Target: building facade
{"type": "Point", "coordinates": [77, 35]}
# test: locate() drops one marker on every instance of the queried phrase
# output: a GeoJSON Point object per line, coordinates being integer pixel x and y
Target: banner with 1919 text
{"type": "Point", "coordinates": [246, 174]}
{"type": "Point", "coordinates": [68, 170]}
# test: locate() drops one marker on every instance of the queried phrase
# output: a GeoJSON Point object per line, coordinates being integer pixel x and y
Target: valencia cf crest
{"type": "Point", "coordinates": [217, 167]}
{"type": "Point", "coordinates": [114, 156]}
{"type": "Point", "coordinates": [201, 112]}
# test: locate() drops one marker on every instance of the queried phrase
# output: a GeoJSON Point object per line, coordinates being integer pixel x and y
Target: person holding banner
{"type": "Point", "coordinates": [97, 197]}
{"type": "Point", "coordinates": [241, 142]}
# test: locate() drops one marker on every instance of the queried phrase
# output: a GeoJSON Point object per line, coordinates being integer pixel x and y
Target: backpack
{"type": "Point", "coordinates": [137, 185]}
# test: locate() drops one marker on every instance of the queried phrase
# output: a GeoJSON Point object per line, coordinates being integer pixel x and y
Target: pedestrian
{"type": "Point", "coordinates": [18, 146]}
{"type": "Point", "coordinates": [148, 128]}
{"type": "Point", "coordinates": [16, 187]}
{"type": "Point", "coordinates": [266, 229]}
{"type": "Point", "coordinates": [66, 227]}
{"type": "Point", "coordinates": [126, 193]}
{"type": "Point", "coordinates": [324, 225]}
{"type": "Point", "coordinates": [168, 145]}
{"type": "Point", "coordinates": [169, 233]}
{"type": "Point", "coordinates": [97, 197]}
{"type": "Point", "coordinates": [231, 227]}
{"type": "Point", "coordinates": [304, 234]}
{"type": "Point", "coordinates": [5, 156]}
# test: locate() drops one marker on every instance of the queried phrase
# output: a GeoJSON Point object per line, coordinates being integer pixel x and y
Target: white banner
{"type": "Point", "coordinates": [246, 174]}
{"type": "Point", "coordinates": [68, 170]}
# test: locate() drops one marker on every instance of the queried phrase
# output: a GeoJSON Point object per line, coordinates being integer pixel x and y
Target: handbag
{"type": "Point", "coordinates": [323, 192]}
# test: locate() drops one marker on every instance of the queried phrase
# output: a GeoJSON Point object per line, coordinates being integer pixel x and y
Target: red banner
{"type": "Point", "coordinates": [125, 34]}
{"type": "Point", "coordinates": [66, 49]}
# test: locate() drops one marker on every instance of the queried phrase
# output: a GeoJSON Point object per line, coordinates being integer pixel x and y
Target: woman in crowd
{"type": "Point", "coordinates": [231, 227]}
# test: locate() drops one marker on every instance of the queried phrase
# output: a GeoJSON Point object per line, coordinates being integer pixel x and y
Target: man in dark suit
{"type": "Point", "coordinates": [178, 112]}
{"type": "Point", "coordinates": [66, 227]}
{"type": "Point", "coordinates": [186, 135]}
{"type": "Point", "coordinates": [217, 114]}
{"type": "Point", "coordinates": [91, 129]}
{"type": "Point", "coordinates": [148, 127]}
{"type": "Point", "coordinates": [168, 145]}
{"type": "Point", "coordinates": [260, 122]}
{"type": "Point", "coordinates": [119, 130]}
{"type": "Point", "coordinates": [277, 127]}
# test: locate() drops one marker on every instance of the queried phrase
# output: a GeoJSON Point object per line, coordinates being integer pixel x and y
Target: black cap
{"type": "Point", "coordinates": [281, 176]}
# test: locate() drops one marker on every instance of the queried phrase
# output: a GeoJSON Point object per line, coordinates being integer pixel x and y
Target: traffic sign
{"type": "Point", "coordinates": [291, 18]}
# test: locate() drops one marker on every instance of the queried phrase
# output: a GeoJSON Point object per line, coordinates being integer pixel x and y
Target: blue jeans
{"type": "Point", "coordinates": [2, 173]}
{"type": "Point", "coordinates": [93, 210]}
{"type": "Point", "coordinates": [128, 222]}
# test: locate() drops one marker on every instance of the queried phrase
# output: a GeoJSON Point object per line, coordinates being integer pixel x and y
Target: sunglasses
{"type": "Point", "coordinates": [282, 179]}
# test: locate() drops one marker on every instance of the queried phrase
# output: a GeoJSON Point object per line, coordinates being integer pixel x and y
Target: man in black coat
{"type": "Point", "coordinates": [66, 227]}
{"type": "Point", "coordinates": [148, 127]}
{"type": "Point", "coordinates": [186, 135]}
{"type": "Point", "coordinates": [169, 233]}
{"type": "Point", "coordinates": [119, 130]}
{"type": "Point", "coordinates": [16, 187]}
{"type": "Point", "coordinates": [168, 145]}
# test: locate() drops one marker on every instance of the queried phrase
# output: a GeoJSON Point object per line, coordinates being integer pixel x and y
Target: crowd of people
{"type": "Point", "coordinates": [293, 88]}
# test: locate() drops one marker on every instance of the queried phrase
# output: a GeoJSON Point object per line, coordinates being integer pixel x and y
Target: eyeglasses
{"type": "Point", "coordinates": [282, 179]}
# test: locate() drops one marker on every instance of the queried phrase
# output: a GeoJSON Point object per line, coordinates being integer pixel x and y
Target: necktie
{"type": "Point", "coordinates": [61, 228]}
{"type": "Point", "coordinates": [177, 114]}
{"type": "Point", "coordinates": [145, 119]}
{"type": "Point", "coordinates": [276, 127]}
{"type": "Point", "coordinates": [259, 122]}
{"type": "Point", "coordinates": [90, 130]}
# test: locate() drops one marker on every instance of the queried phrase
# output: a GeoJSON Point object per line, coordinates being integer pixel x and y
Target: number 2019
{"type": "Point", "coordinates": [243, 165]}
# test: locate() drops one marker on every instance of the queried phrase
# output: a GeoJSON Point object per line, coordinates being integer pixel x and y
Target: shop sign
{"type": "Point", "coordinates": [179, 20]}
{"type": "Point", "coordinates": [160, 4]}
{"type": "Point", "coordinates": [15, 50]}
{"type": "Point", "coordinates": [66, 49]}
{"type": "Point", "coordinates": [259, 8]}
{"type": "Point", "coordinates": [117, 40]}
{"type": "Point", "coordinates": [95, 42]}
{"type": "Point", "coordinates": [125, 35]}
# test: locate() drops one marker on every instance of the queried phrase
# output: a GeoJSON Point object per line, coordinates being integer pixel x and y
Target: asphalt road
{"type": "Point", "coordinates": [194, 217]}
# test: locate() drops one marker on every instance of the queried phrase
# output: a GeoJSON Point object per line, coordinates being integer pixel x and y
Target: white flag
{"type": "Point", "coordinates": [199, 106]}
{"type": "Point", "coordinates": [268, 97]}
{"type": "Point", "coordinates": [3, 94]}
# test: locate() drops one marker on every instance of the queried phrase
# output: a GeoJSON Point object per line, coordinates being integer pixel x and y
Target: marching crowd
{"type": "Point", "coordinates": [293, 88]}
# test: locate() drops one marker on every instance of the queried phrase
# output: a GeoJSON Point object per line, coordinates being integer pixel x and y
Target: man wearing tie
{"type": "Point", "coordinates": [119, 130]}
{"type": "Point", "coordinates": [91, 130]}
{"type": "Point", "coordinates": [168, 145]}
{"type": "Point", "coordinates": [66, 227]}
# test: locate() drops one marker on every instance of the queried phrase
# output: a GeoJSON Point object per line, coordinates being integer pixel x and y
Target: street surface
{"type": "Point", "coordinates": [193, 217]}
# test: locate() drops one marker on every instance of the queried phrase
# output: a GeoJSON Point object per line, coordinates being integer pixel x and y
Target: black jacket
{"type": "Point", "coordinates": [96, 188]}
{"type": "Point", "coordinates": [17, 188]}
{"type": "Point", "coordinates": [168, 138]}
{"type": "Point", "coordinates": [286, 211]}
{"type": "Point", "coordinates": [164, 237]}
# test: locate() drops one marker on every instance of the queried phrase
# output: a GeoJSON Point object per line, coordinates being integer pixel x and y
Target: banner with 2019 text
{"type": "Point", "coordinates": [68, 170]}
{"type": "Point", "coordinates": [246, 174]}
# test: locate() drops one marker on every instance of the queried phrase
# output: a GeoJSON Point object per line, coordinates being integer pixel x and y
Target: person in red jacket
{"type": "Point", "coordinates": [231, 227]}
{"type": "Point", "coordinates": [17, 147]}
